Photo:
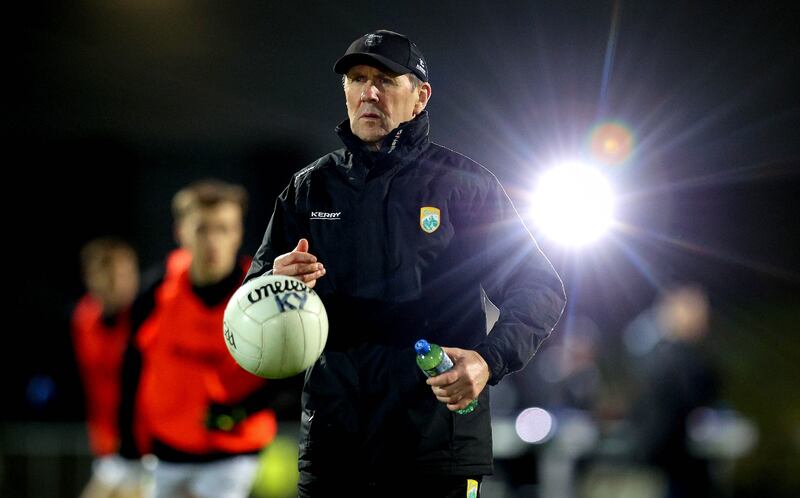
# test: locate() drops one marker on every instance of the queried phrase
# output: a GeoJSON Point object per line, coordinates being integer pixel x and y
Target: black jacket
{"type": "Point", "coordinates": [394, 277]}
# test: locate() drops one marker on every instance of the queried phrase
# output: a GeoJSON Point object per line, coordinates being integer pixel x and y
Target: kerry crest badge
{"type": "Point", "coordinates": [429, 219]}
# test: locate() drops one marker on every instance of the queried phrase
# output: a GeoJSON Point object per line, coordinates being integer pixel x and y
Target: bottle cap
{"type": "Point", "coordinates": [422, 347]}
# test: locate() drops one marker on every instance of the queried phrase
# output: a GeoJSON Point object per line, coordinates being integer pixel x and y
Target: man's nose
{"type": "Point", "coordinates": [370, 92]}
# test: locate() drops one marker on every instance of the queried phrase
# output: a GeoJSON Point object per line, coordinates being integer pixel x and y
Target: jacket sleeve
{"type": "Point", "coordinates": [131, 369]}
{"type": "Point", "coordinates": [281, 235]}
{"type": "Point", "coordinates": [519, 279]}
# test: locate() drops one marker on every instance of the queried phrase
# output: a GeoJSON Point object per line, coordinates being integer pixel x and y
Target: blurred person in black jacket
{"type": "Point", "coordinates": [677, 378]}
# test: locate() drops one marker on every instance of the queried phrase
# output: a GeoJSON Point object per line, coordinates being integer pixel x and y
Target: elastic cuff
{"type": "Point", "coordinates": [497, 369]}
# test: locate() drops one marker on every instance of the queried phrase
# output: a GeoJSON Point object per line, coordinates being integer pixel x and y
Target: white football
{"type": "Point", "coordinates": [275, 326]}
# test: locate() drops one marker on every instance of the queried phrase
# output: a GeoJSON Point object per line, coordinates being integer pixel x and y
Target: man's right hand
{"type": "Point", "coordinates": [300, 264]}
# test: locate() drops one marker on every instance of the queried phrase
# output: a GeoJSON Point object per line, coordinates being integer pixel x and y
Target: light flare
{"type": "Point", "coordinates": [573, 204]}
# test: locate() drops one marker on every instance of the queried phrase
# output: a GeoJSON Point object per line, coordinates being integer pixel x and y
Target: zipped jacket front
{"type": "Point", "coordinates": [409, 235]}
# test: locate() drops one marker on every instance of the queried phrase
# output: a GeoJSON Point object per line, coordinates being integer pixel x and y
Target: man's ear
{"type": "Point", "coordinates": [423, 96]}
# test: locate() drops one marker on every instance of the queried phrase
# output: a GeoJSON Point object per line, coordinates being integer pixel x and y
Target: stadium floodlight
{"type": "Point", "coordinates": [573, 204]}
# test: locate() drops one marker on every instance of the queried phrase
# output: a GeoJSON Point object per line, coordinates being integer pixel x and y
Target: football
{"type": "Point", "coordinates": [275, 326]}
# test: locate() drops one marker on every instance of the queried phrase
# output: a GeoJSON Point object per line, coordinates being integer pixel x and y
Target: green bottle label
{"type": "Point", "coordinates": [443, 366]}
{"type": "Point", "coordinates": [469, 408]}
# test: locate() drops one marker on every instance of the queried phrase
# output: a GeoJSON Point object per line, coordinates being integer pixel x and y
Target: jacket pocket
{"type": "Point", "coordinates": [329, 424]}
{"type": "Point", "coordinates": [472, 434]}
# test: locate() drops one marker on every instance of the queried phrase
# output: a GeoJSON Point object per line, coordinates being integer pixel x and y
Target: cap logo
{"type": "Point", "coordinates": [421, 67]}
{"type": "Point", "coordinates": [372, 40]}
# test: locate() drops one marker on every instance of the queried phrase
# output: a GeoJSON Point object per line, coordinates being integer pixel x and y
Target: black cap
{"type": "Point", "coordinates": [388, 50]}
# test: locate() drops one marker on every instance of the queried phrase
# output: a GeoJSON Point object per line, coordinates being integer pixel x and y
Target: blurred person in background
{"type": "Point", "coordinates": [187, 401]}
{"type": "Point", "coordinates": [677, 378]}
{"type": "Point", "coordinates": [100, 332]}
{"type": "Point", "coordinates": [575, 375]}
{"type": "Point", "coordinates": [566, 382]}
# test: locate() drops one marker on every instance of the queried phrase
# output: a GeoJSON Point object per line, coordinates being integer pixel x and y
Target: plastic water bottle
{"type": "Point", "coordinates": [432, 360]}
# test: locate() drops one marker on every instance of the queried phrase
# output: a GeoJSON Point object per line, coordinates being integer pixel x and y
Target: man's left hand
{"type": "Point", "coordinates": [464, 382]}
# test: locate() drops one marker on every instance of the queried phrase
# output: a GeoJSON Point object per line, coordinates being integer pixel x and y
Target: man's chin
{"type": "Point", "coordinates": [371, 136]}
{"type": "Point", "coordinates": [217, 268]}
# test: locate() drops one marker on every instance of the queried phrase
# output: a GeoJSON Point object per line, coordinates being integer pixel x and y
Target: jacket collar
{"type": "Point", "coordinates": [406, 140]}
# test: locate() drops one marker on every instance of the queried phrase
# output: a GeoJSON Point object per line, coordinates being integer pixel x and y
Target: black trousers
{"type": "Point", "coordinates": [401, 486]}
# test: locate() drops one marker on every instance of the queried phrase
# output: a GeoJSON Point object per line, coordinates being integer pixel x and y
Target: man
{"type": "Point", "coordinates": [398, 236]}
{"type": "Point", "coordinates": [100, 331]}
{"type": "Point", "coordinates": [677, 377]}
{"type": "Point", "coordinates": [195, 408]}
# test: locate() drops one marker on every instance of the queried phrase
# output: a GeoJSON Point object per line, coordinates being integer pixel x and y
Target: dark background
{"type": "Point", "coordinates": [111, 107]}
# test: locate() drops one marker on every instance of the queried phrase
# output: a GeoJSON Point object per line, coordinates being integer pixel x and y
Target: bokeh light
{"type": "Point", "coordinates": [277, 470]}
{"type": "Point", "coordinates": [535, 425]}
{"type": "Point", "coordinates": [610, 143]}
{"type": "Point", "coordinates": [40, 391]}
